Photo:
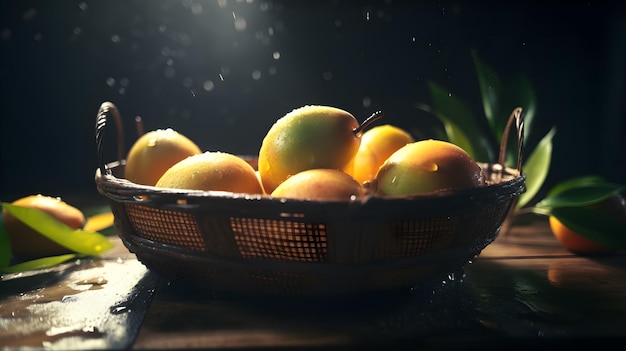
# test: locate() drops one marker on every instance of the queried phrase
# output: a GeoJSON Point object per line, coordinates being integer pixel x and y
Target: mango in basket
{"type": "Point", "coordinates": [308, 137]}
{"type": "Point", "coordinates": [155, 152]}
{"type": "Point", "coordinates": [320, 184]}
{"type": "Point", "coordinates": [26, 241]}
{"type": "Point", "coordinates": [377, 144]}
{"type": "Point", "coordinates": [428, 166]}
{"type": "Point", "coordinates": [212, 170]}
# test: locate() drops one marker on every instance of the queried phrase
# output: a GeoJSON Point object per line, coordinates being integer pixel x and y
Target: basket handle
{"type": "Point", "coordinates": [516, 116]}
{"type": "Point", "coordinates": [108, 109]}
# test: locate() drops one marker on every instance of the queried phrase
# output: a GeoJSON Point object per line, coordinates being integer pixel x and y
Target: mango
{"type": "Point", "coordinates": [377, 144]}
{"type": "Point", "coordinates": [212, 171]}
{"type": "Point", "coordinates": [308, 137]}
{"type": "Point", "coordinates": [320, 184]}
{"type": "Point", "coordinates": [155, 152]}
{"type": "Point", "coordinates": [428, 166]}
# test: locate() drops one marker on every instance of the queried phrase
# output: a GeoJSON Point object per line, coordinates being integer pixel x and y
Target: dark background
{"type": "Point", "coordinates": [221, 72]}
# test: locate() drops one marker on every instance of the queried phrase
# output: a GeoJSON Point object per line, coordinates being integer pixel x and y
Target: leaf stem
{"type": "Point", "coordinates": [533, 209]}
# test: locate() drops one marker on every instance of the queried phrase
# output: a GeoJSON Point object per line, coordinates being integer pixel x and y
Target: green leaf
{"type": "Point", "coordinates": [458, 137]}
{"type": "Point", "coordinates": [582, 195]}
{"type": "Point", "coordinates": [575, 183]}
{"type": "Point", "coordinates": [5, 246]}
{"type": "Point", "coordinates": [449, 109]}
{"type": "Point", "coordinates": [490, 90]}
{"type": "Point", "coordinates": [40, 263]}
{"type": "Point", "coordinates": [536, 168]}
{"type": "Point", "coordinates": [517, 93]}
{"type": "Point", "coordinates": [77, 240]}
{"type": "Point", "coordinates": [500, 99]}
{"type": "Point", "coordinates": [593, 224]}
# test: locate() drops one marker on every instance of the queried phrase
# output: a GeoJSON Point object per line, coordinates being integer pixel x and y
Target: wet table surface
{"type": "Point", "coordinates": [524, 291]}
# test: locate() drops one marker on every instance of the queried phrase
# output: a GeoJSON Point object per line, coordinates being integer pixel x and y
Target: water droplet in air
{"type": "Point", "coordinates": [6, 34]}
{"type": "Point", "coordinates": [29, 14]}
{"type": "Point", "coordinates": [367, 102]}
{"type": "Point", "coordinates": [169, 72]}
{"type": "Point", "coordinates": [196, 8]}
{"type": "Point", "coordinates": [208, 85]}
{"type": "Point", "coordinates": [240, 24]}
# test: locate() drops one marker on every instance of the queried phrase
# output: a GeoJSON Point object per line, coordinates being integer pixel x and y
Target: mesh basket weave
{"type": "Point", "coordinates": [258, 244]}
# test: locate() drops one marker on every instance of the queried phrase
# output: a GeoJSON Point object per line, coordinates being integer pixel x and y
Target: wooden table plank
{"type": "Point", "coordinates": [94, 303]}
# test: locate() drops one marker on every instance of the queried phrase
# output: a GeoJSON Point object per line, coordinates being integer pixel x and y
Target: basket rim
{"type": "Point", "coordinates": [503, 180]}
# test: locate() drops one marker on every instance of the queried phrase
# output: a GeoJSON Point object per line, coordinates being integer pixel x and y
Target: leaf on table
{"type": "Point", "coordinates": [580, 195]}
{"type": "Point", "coordinates": [77, 240]}
{"type": "Point", "coordinates": [40, 263]}
{"type": "Point", "coordinates": [593, 224]}
{"type": "Point", "coordinates": [575, 183]}
{"type": "Point", "coordinates": [98, 222]}
{"type": "Point", "coordinates": [536, 168]}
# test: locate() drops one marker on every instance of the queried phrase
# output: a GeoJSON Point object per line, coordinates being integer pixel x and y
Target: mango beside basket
{"type": "Point", "coordinates": [255, 244]}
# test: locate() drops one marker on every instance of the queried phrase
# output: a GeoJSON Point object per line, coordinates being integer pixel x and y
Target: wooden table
{"type": "Point", "coordinates": [523, 292]}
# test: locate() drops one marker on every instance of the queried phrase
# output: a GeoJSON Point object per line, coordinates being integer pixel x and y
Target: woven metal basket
{"type": "Point", "coordinates": [256, 244]}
